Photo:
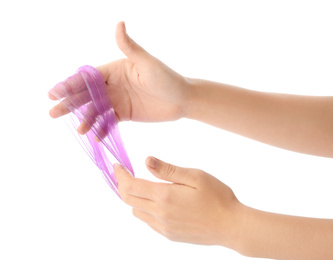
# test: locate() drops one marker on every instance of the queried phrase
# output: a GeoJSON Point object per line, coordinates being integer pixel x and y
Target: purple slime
{"type": "Point", "coordinates": [85, 95]}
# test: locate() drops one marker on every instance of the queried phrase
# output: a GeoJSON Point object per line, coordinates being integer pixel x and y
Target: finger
{"type": "Point", "coordinates": [83, 128]}
{"type": "Point", "coordinates": [171, 173]}
{"type": "Point", "coordinates": [72, 85]}
{"type": "Point", "coordinates": [110, 71]}
{"type": "Point", "coordinates": [136, 202]}
{"type": "Point", "coordinates": [59, 110]}
{"type": "Point", "coordinates": [145, 217]}
{"type": "Point", "coordinates": [88, 115]}
{"type": "Point", "coordinates": [101, 135]}
{"type": "Point", "coordinates": [156, 229]}
{"type": "Point", "coordinates": [69, 103]}
{"type": "Point", "coordinates": [97, 139]}
{"type": "Point", "coordinates": [101, 132]}
{"type": "Point", "coordinates": [52, 97]}
{"type": "Point", "coordinates": [104, 70]}
{"type": "Point", "coordinates": [134, 186]}
{"type": "Point", "coordinates": [92, 120]}
{"type": "Point", "coordinates": [129, 47]}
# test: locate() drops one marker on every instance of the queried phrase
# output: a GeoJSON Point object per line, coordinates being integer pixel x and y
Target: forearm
{"type": "Point", "coordinates": [299, 123]}
{"type": "Point", "coordinates": [284, 237]}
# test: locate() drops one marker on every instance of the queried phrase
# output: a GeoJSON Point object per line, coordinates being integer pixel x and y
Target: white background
{"type": "Point", "coordinates": [54, 204]}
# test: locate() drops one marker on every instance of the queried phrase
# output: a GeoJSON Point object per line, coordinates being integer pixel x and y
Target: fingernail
{"type": "Point", "coordinates": [116, 165]}
{"type": "Point", "coordinates": [152, 162]}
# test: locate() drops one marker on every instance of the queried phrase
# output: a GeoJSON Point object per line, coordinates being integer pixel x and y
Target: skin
{"type": "Point", "coordinates": [193, 206]}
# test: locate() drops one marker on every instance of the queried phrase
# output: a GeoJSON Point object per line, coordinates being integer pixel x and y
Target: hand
{"type": "Point", "coordinates": [141, 88]}
{"type": "Point", "coordinates": [194, 207]}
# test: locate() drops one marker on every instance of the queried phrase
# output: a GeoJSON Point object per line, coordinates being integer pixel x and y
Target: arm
{"type": "Point", "coordinates": [197, 208]}
{"type": "Point", "coordinates": [298, 123]}
{"type": "Point", "coordinates": [144, 89]}
{"type": "Point", "coordinates": [277, 236]}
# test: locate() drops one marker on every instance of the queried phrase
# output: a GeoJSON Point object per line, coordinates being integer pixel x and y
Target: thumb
{"type": "Point", "coordinates": [130, 48]}
{"type": "Point", "coordinates": [171, 173]}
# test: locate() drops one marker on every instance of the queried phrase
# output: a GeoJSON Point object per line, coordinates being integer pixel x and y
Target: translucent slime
{"type": "Point", "coordinates": [85, 95]}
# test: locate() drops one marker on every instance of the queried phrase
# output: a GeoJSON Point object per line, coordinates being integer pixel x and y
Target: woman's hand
{"type": "Point", "coordinates": [197, 208]}
{"type": "Point", "coordinates": [194, 207]}
{"type": "Point", "coordinates": [141, 87]}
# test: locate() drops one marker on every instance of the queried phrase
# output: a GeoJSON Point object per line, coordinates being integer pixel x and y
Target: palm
{"type": "Point", "coordinates": [141, 88]}
{"type": "Point", "coordinates": [146, 92]}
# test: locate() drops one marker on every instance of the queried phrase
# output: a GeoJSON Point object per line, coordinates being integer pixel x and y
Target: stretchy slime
{"type": "Point", "coordinates": [85, 95]}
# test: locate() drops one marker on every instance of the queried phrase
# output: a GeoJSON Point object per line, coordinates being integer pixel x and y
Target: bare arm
{"type": "Point", "coordinates": [299, 123]}
{"type": "Point", "coordinates": [195, 207]}
{"type": "Point", "coordinates": [285, 237]}
{"type": "Point", "coordinates": [144, 89]}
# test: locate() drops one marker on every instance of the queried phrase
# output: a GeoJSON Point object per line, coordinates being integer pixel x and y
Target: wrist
{"type": "Point", "coordinates": [233, 233]}
{"type": "Point", "coordinates": [192, 98]}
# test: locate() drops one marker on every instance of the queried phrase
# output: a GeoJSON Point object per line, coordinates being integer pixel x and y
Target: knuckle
{"type": "Point", "coordinates": [169, 170]}
{"type": "Point", "coordinates": [199, 176]}
{"type": "Point", "coordinates": [126, 186]}
{"type": "Point", "coordinates": [125, 197]}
